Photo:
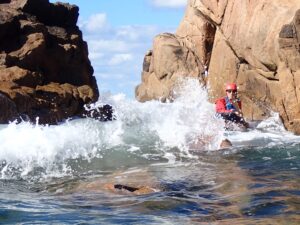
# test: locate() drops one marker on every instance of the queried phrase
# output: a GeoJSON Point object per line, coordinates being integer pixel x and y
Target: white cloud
{"type": "Point", "coordinates": [110, 77]}
{"type": "Point", "coordinates": [96, 22]}
{"type": "Point", "coordinates": [128, 32]}
{"type": "Point", "coordinates": [169, 3]}
{"type": "Point", "coordinates": [95, 55]}
{"type": "Point", "coordinates": [134, 33]}
{"type": "Point", "coordinates": [119, 58]}
{"type": "Point", "coordinates": [117, 52]}
{"type": "Point", "coordinates": [105, 46]}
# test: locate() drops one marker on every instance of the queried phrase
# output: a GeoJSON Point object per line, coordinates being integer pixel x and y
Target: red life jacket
{"type": "Point", "coordinates": [224, 105]}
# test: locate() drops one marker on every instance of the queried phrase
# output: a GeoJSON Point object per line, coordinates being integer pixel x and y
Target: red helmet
{"type": "Point", "coordinates": [231, 86]}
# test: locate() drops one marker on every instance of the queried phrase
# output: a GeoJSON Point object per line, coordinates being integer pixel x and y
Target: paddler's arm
{"type": "Point", "coordinates": [238, 105]}
{"type": "Point", "coordinates": [240, 113]}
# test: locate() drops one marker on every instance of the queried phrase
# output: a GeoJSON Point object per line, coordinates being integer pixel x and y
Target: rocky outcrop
{"type": "Point", "coordinates": [44, 67]}
{"type": "Point", "coordinates": [186, 53]}
{"type": "Point", "coordinates": [254, 43]}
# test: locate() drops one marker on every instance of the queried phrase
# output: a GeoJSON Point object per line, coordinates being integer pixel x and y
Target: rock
{"type": "Point", "coordinates": [185, 54]}
{"type": "Point", "coordinates": [20, 76]}
{"type": "Point", "coordinates": [102, 113]}
{"type": "Point", "coordinates": [135, 182]}
{"type": "Point", "coordinates": [225, 144]}
{"type": "Point", "coordinates": [10, 107]}
{"type": "Point", "coordinates": [57, 14]}
{"type": "Point", "coordinates": [124, 189]}
{"type": "Point", "coordinates": [169, 60]}
{"type": "Point", "coordinates": [253, 43]}
{"type": "Point", "coordinates": [44, 67]}
{"type": "Point", "coordinates": [264, 79]}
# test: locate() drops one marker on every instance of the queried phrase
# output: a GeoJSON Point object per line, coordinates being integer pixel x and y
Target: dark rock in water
{"type": "Point", "coordinates": [102, 113]}
{"type": "Point", "coordinates": [44, 67]}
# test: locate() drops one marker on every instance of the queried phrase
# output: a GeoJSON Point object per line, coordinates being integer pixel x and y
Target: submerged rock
{"type": "Point", "coordinates": [135, 182]}
{"type": "Point", "coordinates": [225, 144]}
{"type": "Point", "coordinates": [44, 67]}
{"type": "Point", "coordinates": [253, 43]}
{"type": "Point", "coordinates": [124, 189]}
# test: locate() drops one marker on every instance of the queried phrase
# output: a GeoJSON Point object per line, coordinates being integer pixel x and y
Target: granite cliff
{"type": "Point", "coordinates": [253, 43]}
{"type": "Point", "coordinates": [44, 67]}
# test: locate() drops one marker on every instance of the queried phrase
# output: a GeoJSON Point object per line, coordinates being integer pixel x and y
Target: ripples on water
{"type": "Point", "coordinates": [57, 174]}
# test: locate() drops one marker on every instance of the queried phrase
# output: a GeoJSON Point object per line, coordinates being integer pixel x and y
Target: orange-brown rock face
{"type": "Point", "coordinates": [44, 67]}
{"type": "Point", "coordinates": [184, 54]}
{"type": "Point", "coordinates": [254, 43]}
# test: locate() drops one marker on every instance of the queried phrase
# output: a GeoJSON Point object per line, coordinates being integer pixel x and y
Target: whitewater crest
{"type": "Point", "coordinates": [142, 134]}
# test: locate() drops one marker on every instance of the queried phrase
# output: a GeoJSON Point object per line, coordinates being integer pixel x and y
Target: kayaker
{"type": "Point", "coordinates": [230, 106]}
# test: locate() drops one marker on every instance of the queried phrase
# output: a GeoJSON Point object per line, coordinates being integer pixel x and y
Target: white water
{"type": "Point", "coordinates": [142, 130]}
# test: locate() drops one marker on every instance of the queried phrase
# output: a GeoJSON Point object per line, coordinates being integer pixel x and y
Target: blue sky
{"type": "Point", "coordinates": [120, 32]}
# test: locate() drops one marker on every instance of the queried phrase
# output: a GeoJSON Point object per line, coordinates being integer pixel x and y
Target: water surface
{"type": "Point", "coordinates": [58, 174]}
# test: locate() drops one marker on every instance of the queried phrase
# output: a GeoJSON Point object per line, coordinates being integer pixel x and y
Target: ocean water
{"type": "Point", "coordinates": [61, 174]}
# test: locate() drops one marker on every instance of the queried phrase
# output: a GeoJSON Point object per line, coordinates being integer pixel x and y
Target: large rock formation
{"type": "Point", "coordinates": [254, 43]}
{"type": "Point", "coordinates": [44, 67]}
